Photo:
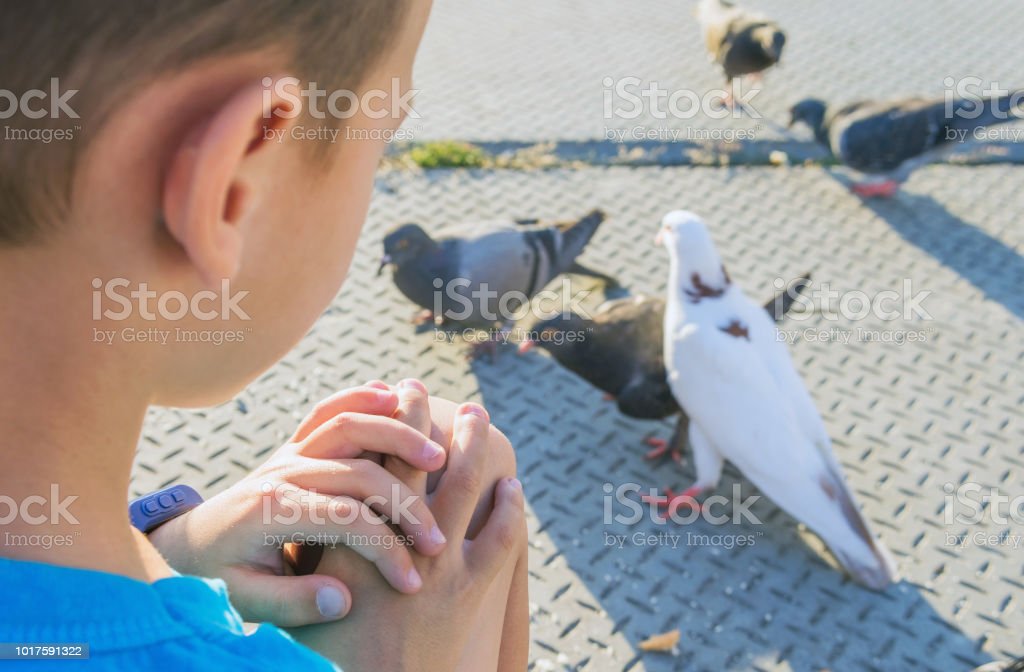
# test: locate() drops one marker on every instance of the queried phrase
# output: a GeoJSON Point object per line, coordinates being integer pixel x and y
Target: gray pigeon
{"type": "Point", "coordinates": [483, 275]}
{"type": "Point", "coordinates": [621, 354]}
{"type": "Point", "coordinates": [891, 139]}
{"type": "Point", "coordinates": [740, 42]}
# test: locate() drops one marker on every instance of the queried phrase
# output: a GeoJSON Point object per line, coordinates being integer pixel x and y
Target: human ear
{"type": "Point", "coordinates": [204, 196]}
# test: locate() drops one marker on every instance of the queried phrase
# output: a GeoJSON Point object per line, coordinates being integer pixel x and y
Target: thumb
{"type": "Point", "coordinates": [287, 601]}
{"type": "Point", "coordinates": [503, 534]}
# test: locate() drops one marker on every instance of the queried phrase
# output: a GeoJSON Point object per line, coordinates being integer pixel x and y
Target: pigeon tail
{"type": "Point", "coordinates": [971, 114]}
{"type": "Point", "coordinates": [877, 576]}
{"type": "Point", "coordinates": [875, 569]}
{"type": "Point", "coordinates": [779, 306]}
{"type": "Point", "coordinates": [576, 236]}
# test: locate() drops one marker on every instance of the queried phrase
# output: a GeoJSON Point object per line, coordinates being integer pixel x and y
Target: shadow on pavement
{"type": "Point", "coordinates": [772, 603]}
{"type": "Point", "coordinates": [986, 262]}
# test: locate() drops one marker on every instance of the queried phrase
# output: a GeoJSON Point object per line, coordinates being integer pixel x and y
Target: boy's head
{"type": "Point", "coordinates": [187, 158]}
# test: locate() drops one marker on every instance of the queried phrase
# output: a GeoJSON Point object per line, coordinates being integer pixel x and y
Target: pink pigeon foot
{"type": "Point", "coordinates": [885, 189]}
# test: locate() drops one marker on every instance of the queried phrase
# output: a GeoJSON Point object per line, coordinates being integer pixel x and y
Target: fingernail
{"type": "Point", "coordinates": [330, 601]}
{"type": "Point", "coordinates": [437, 536]}
{"type": "Point", "coordinates": [431, 451]}
{"type": "Point", "coordinates": [515, 491]}
{"type": "Point", "coordinates": [377, 384]}
{"type": "Point", "coordinates": [473, 409]}
{"type": "Point", "coordinates": [413, 384]}
{"type": "Point", "coordinates": [413, 579]}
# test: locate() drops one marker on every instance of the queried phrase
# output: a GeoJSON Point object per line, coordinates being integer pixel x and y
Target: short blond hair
{"type": "Point", "coordinates": [109, 45]}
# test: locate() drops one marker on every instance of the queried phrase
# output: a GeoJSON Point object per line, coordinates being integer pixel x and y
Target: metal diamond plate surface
{"type": "Point", "coordinates": [907, 418]}
{"type": "Point", "coordinates": [536, 69]}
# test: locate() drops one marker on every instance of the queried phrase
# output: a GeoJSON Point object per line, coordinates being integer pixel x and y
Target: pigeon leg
{"type": "Point", "coordinates": [485, 346]}
{"type": "Point", "coordinates": [728, 102]}
{"type": "Point", "coordinates": [660, 447]}
{"type": "Point", "coordinates": [706, 459]}
{"type": "Point", "coordinates": [672, 501]}
{"type": "Point", "coordinates": [608, 397]}
{"type": "Point", "coordinates": [678, 440]}
{"type": "Point", "coordinates": [489, 345]}
{"type": "Point", "coordinates": [422, 317]}
{"type": "Point", "coordinates": [709, 465]}
{"type": "Point", "coordinates": [885, 189]}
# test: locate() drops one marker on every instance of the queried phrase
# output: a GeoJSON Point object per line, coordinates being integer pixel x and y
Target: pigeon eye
{"type": "Point", "coordinates": [402, 244]}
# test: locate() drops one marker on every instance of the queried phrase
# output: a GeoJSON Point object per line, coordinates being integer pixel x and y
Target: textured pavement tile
{"type": "Point", "coordinates": [535, 69]}
{"type": "Point", "coordinates": [906, 419]}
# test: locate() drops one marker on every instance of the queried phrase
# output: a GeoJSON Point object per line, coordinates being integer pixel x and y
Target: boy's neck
{"type": "Point", "coordinates": [69, 424]}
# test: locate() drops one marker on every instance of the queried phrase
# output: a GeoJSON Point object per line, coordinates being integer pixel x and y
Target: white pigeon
{"type": "Point", "coordinates": [747, 403]}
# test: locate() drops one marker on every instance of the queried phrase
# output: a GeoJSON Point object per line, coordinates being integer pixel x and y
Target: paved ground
{"type": "Point", "coordinates": [907, 418]}
{"type": "Point", "coordinates": [535, 69]}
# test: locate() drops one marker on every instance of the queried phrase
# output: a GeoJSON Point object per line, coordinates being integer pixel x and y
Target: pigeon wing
{"type": "Point", "coordinates": [497, 273]}
{"type": "Point", "coordinates": [772, 351]}
{"type": "Point", "coordinates": [731, 394]}
{"type": "Point", "coordinates": [880, 138]}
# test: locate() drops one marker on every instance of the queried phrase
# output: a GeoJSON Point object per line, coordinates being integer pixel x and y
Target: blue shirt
{"type": "Point", "coordinates": [174, 624]}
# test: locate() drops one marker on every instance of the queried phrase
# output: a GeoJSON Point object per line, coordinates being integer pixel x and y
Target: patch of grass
{"type": "Point", "coordinates": [448, 154]}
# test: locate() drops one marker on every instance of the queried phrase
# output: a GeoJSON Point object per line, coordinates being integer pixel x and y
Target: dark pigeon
{"type": "Point", "coordinates": [891, 139]}
{"type": "Point", "coordinates": [621, 353]}
{"type": "Point", "coordinates": [740, 42]}
{"type": "Point", "coordinates": [513, 260]}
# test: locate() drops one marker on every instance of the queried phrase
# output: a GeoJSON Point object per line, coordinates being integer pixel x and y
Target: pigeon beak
{"type": "Point", "coordinates": [526, 346]}
{"type": "Point", "coordinates": [659, 236]}
{"type": "Point", "coordinates": [384, 261]}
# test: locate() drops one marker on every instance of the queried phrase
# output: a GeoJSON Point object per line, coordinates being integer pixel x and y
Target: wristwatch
{"type": "Point", "coordinates": [153, 510]}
